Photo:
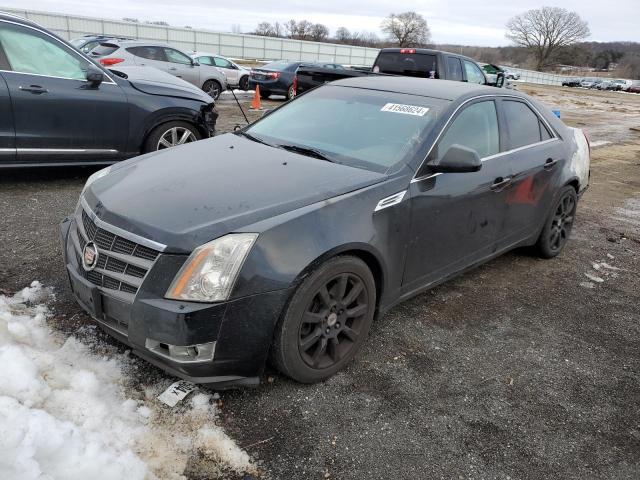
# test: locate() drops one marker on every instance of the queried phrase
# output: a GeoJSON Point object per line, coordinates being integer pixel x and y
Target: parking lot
{"type": "Point", "coordinates": [523, 368]}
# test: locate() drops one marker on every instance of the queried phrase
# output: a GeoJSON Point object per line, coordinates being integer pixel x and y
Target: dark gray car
{"type": "Point", "coordinates": [285, 239]}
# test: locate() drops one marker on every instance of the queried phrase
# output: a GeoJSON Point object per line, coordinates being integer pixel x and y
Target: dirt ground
{"type": "Point", "coordinates": [523, 368]}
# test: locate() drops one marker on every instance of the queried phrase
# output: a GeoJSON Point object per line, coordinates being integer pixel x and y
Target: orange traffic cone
{"type": "Point", "coordinates": [256, 104]}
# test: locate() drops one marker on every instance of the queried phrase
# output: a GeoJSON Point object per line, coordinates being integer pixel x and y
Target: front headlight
{"type": "Point", "coordinates": [95, 176]}
{"type": "Point", "coordinates": [210, 272]}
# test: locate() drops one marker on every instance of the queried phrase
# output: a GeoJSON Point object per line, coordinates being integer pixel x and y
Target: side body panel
{"type": "Point", "coordinates": [7, 131]}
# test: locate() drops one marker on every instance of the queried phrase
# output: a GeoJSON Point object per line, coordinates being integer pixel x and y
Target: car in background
{"type": "Point", "coordinates": [572, 82]}
{"type": "Point", "coordinates": [608, 85]}
{"type": "Point", "coordinates": [410, 62]}
{"type": "Point", "coordinates": [275, 78]}
{"type": "Point", "coordinates": [62, 108]}
{"type": "Point", "coordinates": [363, 193]}
{"type": "Point", "coordinates": [623, 84]}
{"type": "Point", "coordinates": [634, 87]}
{"type": "Point", "coordinates": [163, 57]}
{"type": "Point", "coordinates": [237, 75]}
{"type": "Point", "coordinates": [491, 72]}
{"type": "Point", "coordinates": [87, 43]}
{"type": "Point", "coordinates": [511, 75]}
{"type": "Point", "coordinates": [590, 82]}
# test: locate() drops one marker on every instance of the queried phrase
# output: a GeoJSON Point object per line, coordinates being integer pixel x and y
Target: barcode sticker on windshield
{"type": "Point", "coordinates": [406, 109]}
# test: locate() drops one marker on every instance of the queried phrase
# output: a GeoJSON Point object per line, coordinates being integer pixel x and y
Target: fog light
{"type": "Point", "coordinates": [202, 352]}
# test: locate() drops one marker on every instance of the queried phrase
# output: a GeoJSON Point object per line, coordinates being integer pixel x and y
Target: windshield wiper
{"type": "Point", "coordinates": [310, 152]}
{"type": "Point", "coordinates": [252, 137]}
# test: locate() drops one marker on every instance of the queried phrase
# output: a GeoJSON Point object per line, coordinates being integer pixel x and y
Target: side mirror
{"type": "Point", "coordinates": [500, 79]}
{"type": "Point", "coordinates": [458, 159]}
{"type": "Point", "coordinates": [94, 76]}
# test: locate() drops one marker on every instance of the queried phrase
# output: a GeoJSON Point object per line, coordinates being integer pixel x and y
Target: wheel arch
{"type": "Point", "coordinates": [575, 183]}
{"type": "Point", "coordinates": [167, 118]}
{"type": "Point", "coordinates": [362, 251]}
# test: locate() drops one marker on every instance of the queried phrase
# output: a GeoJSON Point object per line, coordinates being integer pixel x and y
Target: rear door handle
{"type": "Point", "coordinates": [550, 163]}
{"type": "Point", "coordinates": [499, 183]}
{"type": "Point", "coordinates": [35, 89]}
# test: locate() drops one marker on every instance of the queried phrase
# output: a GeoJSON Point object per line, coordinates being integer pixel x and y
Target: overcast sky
{"type": "Point", "coordinates": [468, 22]}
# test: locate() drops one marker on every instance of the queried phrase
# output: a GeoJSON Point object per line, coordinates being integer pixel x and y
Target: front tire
{"type": "Point", "coordinates": [212, 88]}
{"type": "Point", "coordinates": [557, 228]}
{"type": "Point", "coordinates": [243, 84]}
{"type": "Point", "coordinates": [326, 322]}
{"type": "Point", "coordinates": [169, 135]}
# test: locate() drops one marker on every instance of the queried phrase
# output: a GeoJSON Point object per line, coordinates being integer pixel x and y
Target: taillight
{"type": "Point", "coordinates": [295, 84]}
{"type": "Point", "coordinates": [273, 75]}
{"type": "Point", "coordinates": [407, 50]}
{"type": "Point", "coordinates": [107, 62]}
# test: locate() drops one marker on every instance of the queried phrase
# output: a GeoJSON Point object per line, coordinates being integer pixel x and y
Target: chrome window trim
{"type": "Point", "coordinates": [119, 231]}
{"type": "Point", "coordinates": [66, 150]}
{"type": "Point", "coordinates": [554, 135]}
{"type": "Point", "coordinates": [71, 50]}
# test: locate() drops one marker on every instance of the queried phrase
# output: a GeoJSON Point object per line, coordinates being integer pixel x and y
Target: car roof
{"type": "Point", "coordinates": [138, 43]}
{"type": "Point", "coordinates": [443, 89]}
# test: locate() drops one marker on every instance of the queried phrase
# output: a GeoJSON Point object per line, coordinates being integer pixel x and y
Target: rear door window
{"type": "Point", "coordinates": [408, 64]}
{"type": "Point", "coordinates": [206, 61]}
{"type": "Point", "coordinates": [525, 128]}
{"type": "Point", "coordinates": [475, 127]}
{"type": "Point", "coordinates": [474, 74]}
{"type": "Point", "coordinates": [150, 53]}
{"type": "Point", "coordinates": [454, 69]}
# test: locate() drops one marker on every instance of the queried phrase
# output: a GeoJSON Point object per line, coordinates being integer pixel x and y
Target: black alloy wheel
{"type": "Point", "coordinates": [557, 230]}
{"type": "Point", "coordinates": [326, 321]}
{"type": "Point", "coordinates": [333, 321]}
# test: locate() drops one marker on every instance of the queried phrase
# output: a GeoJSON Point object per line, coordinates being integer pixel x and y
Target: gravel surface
{"type": "Point", "coordinates": [523, 368]}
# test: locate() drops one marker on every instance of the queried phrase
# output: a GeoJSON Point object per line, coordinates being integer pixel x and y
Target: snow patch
{"type": "Point", "coordinates": [65, 414]}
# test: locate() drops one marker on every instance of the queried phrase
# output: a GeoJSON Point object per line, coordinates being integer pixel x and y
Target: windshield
{"type": "Point", "coordinates": [362, 128]}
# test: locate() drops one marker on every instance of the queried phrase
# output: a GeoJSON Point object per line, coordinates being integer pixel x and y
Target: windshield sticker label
{"type": "Point", "coordinates": [406, 109]}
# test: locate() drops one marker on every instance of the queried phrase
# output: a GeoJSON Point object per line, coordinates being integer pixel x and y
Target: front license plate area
{"type": "Point", "coordinates": [87, 294]}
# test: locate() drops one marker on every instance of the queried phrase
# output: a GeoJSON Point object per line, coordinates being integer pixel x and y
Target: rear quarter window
{"type": "Point", "coordinates": [408, 64]}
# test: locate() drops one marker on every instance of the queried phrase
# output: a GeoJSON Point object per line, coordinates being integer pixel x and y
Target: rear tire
{"type": "Point", "coordinates": [557, 228]}
{"type": "Point", "coordinates": [169, 135]}
{"type": "Point", "coordinates": [291, 93]}
{"type": "Point", "coordinates": [326, 322]}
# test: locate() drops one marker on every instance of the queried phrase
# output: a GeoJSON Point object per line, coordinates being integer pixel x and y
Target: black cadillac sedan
{"type": "Point", "coordinates": [284, 240]}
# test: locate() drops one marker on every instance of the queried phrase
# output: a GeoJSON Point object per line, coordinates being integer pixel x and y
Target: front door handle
{"type": "Point", "coordinates": [35, 89]}
{"type": "Point", "coordinates": [550, 163]}
{"type": "Point", "coordinates": [173, 69]}
{"type": "Point", "coordinates": [500, 183]}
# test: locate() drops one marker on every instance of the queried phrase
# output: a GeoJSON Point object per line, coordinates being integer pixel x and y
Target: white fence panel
{"type": "Point", "coordinates": [229, 44]}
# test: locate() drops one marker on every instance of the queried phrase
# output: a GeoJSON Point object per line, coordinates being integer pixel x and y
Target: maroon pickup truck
{"type": "Point", "coordinates": [409, 62]}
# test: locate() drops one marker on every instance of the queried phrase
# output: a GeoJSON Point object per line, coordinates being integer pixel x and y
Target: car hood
{"type": "Point", "coordinates": [156, 82]}
{"type": "Point", "coordinates": [186, 196]}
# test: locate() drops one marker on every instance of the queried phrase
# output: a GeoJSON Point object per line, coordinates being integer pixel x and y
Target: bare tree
{"type": "Point", "coordinates": [265, 29]}
{"type": "Point", "coordinates": [545, 31]}
{"type": "Point", "coordinates": [291, 28]}
{"type": "Point", "coordinates": [408, 29]}
{"type": "Point", "coordinates": [319, 32]}
{"type": "Point", "coordinates": [304, 30]}
{"type": "Point", "coordinates": [630, 66]}
{"type": "Point", "coordinates": [343, 34]}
